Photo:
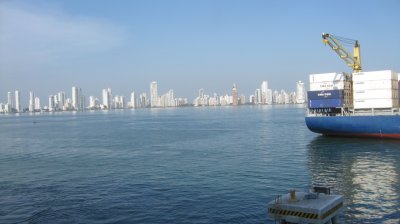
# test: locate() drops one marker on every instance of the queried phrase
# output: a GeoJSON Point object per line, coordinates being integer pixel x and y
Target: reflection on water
{"type": "Point", "coordinates": [365, 171]}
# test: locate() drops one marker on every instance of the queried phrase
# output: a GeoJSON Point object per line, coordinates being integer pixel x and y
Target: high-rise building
{"type": "Point", "coordinates": [257, 96]}
{"type": "Point", "coordinates": [68, 104]}
{"type": "Point", "coordinates": [7, 108]}
{"type": "Point", "coordinates": [201, 93]}
{"type": "Point", "coordinates": [17, 102]}
{"type": "Point", "coordinates": [275, 97]}
{"type": "Point", "coordinates": [285, 97]}
{"type": "Point", "coordinates": [143, 101]}
{"type": "Point", "coordinates": [119, 102]}
{"type": "Point", "coordinates": [31, 102]}
{"type": "Point", "coordinates": [61, 101]}
{"type": "Point", "coordinates": [266, 94]}
{"type": "Point", "coordinates": [242, 99]}
{"type": "Point", "coordinates": [154, 98]}
{"type": "Point", "coordinates": [269, 96]}
{"type": "Point", "coordinates": [51, 103]}
{"type": "Point", "coordinates": [75, 98]}
{"type": "Point", "coordinates": [82, 101]}
{"type": "Point", "coordinates": [252, 99]}
{"type": "Point", "coordinates": [92, 102]}
{"type": "Point", "coordinates": [235, 99]}
{"type": "Point", "coordinates": [133, 103]}
{"type": "Point", "coordinates": [107, 94]}
{"type": "Point", "coordinates": [37, 103]}
{"type": "Point", "coordinates": [264, 88]}
{"type": "Point", "coordinates": [10, 99]}
{"type": "Point", "coordinates": [300, 92]}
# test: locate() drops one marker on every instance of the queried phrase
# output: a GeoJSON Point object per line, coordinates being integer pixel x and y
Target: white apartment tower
{"type": "Point", "coordinates": [235, 99]}
{"type": "Point", "coordinates": [82, 102]}
{"type": "Point", "coordinates": [133, 103]}
{"type": "Point", "coordinates": [31, 101]}
{"type": "Point", "coordinates": [75, 98]}
{"type": "Point", "coordinates": [266, 94]}
{"type": "Point", "coordinates": [92, 102]}
{"type": "Point", "coordinates": [300, 92]}
{"type": "Point", "coordinates": [37, 103]}
{"type": "Point", "coordinates": [264, 88]}
{"type": "Point", "coordinates": [201, 93]}
{"type": "Point", "coordinates": [10, 99]}
{"type": "Point", "coordinates": [107, 98]}
{"type": "Point", "coordinates": [154, 99]}
{"type": "Point", "coordinates": [257, 96]}
{"type": "Point", "coordinates": [143, 101]}
{"type": "Point", "coordinates": [51, 103]}
{"type": "Point", "coordinates": [61, 100]}
{"type": "Point", "coordinates": [17, 102]}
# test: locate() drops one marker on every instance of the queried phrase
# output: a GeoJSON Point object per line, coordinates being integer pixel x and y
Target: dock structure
{"type": "Point", "coordinates": [306, 207]}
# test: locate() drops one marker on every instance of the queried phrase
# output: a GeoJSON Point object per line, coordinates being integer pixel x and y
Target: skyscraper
{"type": "Point", "coordinates": [10, 99]}
{"type": "Point", "coordinates": [235, 98]}
{"type": "Point", "coordinates": [133, 103]}
{"type": "Point", "coordinates": [107, 98]}
{"type": "Point", "coordinates": [17, 102]}
{"type": "Point", "coordinates": [81, 100]}
{"type": "Point", "coordinates": [201, 93]}
{"type": "Point", "coordinates": [300, 92]}
{"type": "Point", "coordinates": [75, 98]}
{"type": "Point", "coordinates": [269, 96]}
{"type": "Point", "coordinates": [37, 103]}
{"type": "Point", "coordinates": [61, 100]}
{"type": "Point", "coordinates": [257, 96]}
{"type": "Point", "coordinates": [92, 102]}
{"type": "Point", "coordinates": [264, 88]}
{"type": "Point", "coordinates": [31, 102]}
{"type": "Point", "coordinates": [143, 101]}
{"type": "Point", "coordinates": [154, 99]}
{"type": "Point", "coordinates": [51, 103]}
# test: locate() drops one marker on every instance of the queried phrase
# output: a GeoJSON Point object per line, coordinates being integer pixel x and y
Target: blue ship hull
{"type": "Point", "coordinates": [379, 126]}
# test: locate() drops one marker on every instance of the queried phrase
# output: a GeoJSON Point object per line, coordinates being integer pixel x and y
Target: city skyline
{"type": "Point", "coordinates": [78, 101]}
{"type": "Point", "coordinates": [47, 46]}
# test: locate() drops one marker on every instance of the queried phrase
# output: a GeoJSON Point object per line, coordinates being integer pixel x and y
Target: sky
{"type": "Point", "coordinates": [50, 46]}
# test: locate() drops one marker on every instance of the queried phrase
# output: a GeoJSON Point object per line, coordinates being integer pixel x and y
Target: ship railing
{"type": "Point", "coordinates": [353, 112]}
{"type": "Point", "coordinates": [327, 112]}
{"type": "Point", "coordinates": [375, 111]}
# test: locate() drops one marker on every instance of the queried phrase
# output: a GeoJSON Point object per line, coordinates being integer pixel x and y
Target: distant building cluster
{"type": "Point", "coordinates": [262, 96]}
{"type": "Point", "coordinates": [77, 102]}
{"type": "Point", "coordinates": [217, 100]}
{"type": "Point", "coordinates": [136, 101]}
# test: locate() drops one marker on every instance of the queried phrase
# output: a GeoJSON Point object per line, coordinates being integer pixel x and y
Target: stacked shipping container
{"type": "Point", "coordinates": [330, 90]}
{"type": "Point", "coordinates": [377, 89]}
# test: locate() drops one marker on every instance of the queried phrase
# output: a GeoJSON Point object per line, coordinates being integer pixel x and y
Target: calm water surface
{"type": "Point", "coordinates": [185, 165]}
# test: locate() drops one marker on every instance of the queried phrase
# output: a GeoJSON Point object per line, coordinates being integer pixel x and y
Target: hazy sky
{"type": "Point", "coordinates": [49, 46]}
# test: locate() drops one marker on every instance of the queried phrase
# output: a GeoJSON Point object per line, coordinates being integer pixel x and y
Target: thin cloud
{"type": "Point", "coordinates": [32, 35]}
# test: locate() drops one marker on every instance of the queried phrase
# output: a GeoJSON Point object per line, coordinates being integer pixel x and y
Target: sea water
{"type": "Point", "coordinates": [185, 165]}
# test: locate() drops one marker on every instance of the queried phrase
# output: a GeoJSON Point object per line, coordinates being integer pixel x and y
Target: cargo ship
{"type": "Point", "coordinates": [360, 104]}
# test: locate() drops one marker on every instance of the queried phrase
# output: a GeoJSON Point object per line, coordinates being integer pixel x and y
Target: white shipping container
{"type": "Point", "coordinates": [329, 77]}
{"type": "Point", "coordinates": [375, 103]}
{"type": "Point", "coordinates": [315, 86]}
{"type": "Point", "coordinates": [375, 84]}
{"type": "Point", "coordinates": [375, 75]}
{"type": "Point", "coordinates": [376, 94]}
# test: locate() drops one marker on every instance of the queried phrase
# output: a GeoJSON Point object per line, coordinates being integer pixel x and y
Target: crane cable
{"type": "Point", "coordinates": [344, 40]}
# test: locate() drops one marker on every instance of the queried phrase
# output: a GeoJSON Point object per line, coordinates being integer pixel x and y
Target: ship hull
{"type": "Point", "coordinates": [385, 126]}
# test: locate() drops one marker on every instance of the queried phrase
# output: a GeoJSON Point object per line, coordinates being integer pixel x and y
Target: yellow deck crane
{"type": "Point", "coordinates": [335, 42]}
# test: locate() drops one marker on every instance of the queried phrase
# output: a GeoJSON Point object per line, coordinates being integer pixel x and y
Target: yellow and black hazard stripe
{"type": "Point", "coordinates": [332, 210]}
{"type": "Point", "coordinates": [283, 212]}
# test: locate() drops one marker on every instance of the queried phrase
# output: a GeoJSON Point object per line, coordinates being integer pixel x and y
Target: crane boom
{"type": "Point", "coordinates": [353, 61]}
